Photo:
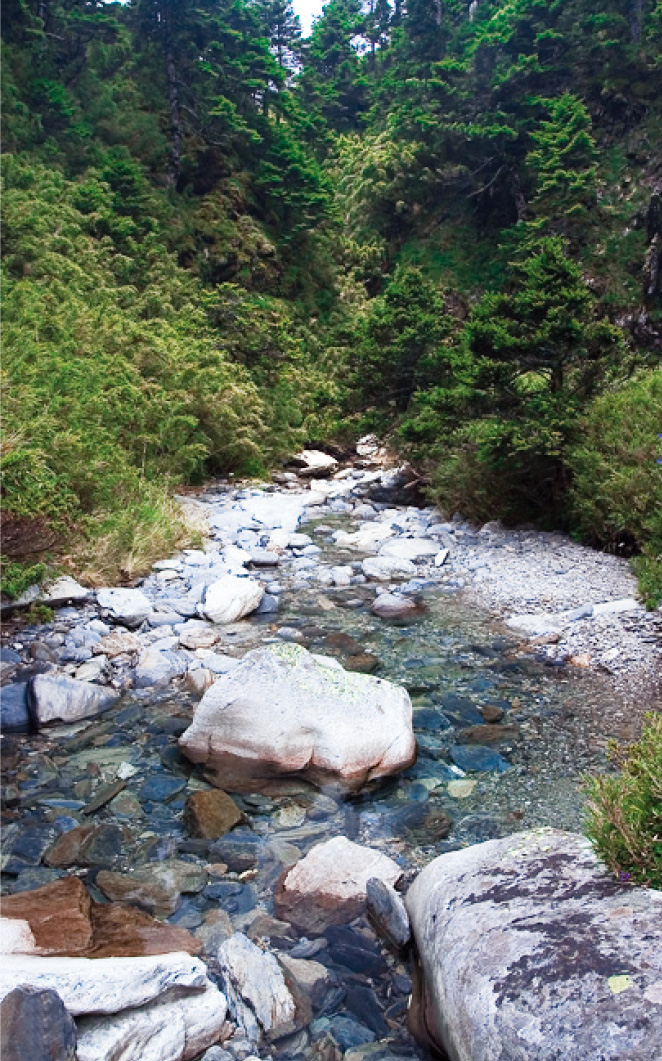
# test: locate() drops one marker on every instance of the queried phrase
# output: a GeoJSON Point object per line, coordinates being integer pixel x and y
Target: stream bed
{"type": "Point", "coordinates": [504, 738]}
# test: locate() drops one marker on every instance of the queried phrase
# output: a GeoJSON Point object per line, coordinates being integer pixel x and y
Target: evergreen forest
{"type": "Point", "coordinates": [435, 220]}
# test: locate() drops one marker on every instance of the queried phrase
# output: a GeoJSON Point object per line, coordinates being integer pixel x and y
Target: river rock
{"type": "Point", "coordinates": [328, 886]}
{"type": "Point", "coordinates": [86, 845]}
{"type": "Point", "coordinates": [211, 814]}
{"type": "Point", "coordinates": [128, 607]}
{"type": "Point", "coordinates": [14, 714]}
{"type": "Point", "coordinates": [314, 462]}
{"type": "Point", "coordinates": [387, 914]}
{"type": "Point", "coordinates": [311, 977]}
{"type": "Point", "coordinates": [35, 1026]}
{"type": "Point", "coordinates": [199, 680]}
{"type": "Point", "coordinates": [393, 606]}
{"type": "Point", "coordinates": [53, 697]}
{"type": "Point", "coordinates": [258, 998]}
{"type": "Point", "coordinates": [280, 712]}
{"type": "Point", "coordinates": [63, 590]}
{"type": "Point", "coordinates": [530, 950]}
{"type": "Point", "coordinates": [121, 931]}
{"type": "Point", "coordinates": [104, 985]}
{"type": "Point", "coordinates": [118, 643]}
{"type": "Point", "coordinates": [157, 668]}
{"type": "Point", "coordinates": [16, 937]}
{"type": "Point", "coordinates": [155, 887]}
{"type": "Point", "coordinates": [409, 548]}
{"type": "Point", "coordinates": [175, 1029]}
{"type": "Point", "coordinates": [58, 915]}
{"type": "Point", "coordinates": [194, 635]}
{"type": "Point", "coordinates": [385, 568]}
{"type": "Point", "coordinates": [231, 598]}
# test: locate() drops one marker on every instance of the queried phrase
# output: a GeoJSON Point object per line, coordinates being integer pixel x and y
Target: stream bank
{"type": "Point", "coordinates": [506, 723]}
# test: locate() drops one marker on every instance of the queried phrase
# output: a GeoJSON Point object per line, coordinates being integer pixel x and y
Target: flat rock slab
{"type": "Point", "coordinates": [104, 985]}
{"type": "Point", "coordinates": [328, 886]}
{"type": "Point", "coordinates": [531, 951]}
{"type": "Point", "coordinates": [155, 887]}
{"type": "Point", "coordinates": [282, 712]}
{"type": "Point", "coordinates": [173, 1029]}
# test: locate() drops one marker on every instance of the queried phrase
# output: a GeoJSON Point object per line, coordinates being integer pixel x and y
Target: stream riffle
{"type": "Point", "coordinates": [503, 741]}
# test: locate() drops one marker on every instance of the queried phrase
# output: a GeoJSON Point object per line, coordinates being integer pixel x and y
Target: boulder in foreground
{"type": "Point", "coordinates": [328, 886]}
{"type": "Point", "coordinates": [530, 951]}
{"type": "Point", "coordinates": [281, 712]}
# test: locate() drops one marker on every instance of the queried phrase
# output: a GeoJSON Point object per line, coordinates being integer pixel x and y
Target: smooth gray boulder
{"type": "Point", "coordinates": [129, 607]}
{"type": "Point", "coordinates": [282, 712]}
{"type": "Point", "coordinates": [157, 668]}
{"type": "Point", "coordinates": [529, 950]}
{"type": "Point", "coordinates": [55, 698]}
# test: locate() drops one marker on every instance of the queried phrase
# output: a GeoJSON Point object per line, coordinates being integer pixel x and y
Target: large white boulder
{"type": "Point", "coordinates": [366, 539]}
{"type": "Point", "coordinates": [104, 985]}
{"type": "Point", "coordinates": [280, 711]}
{"type": "Point", "coordinates": [328, 886]}
{"type": "Point", "coordinates": [529, 950]}
{"type": "Point", "coordinates": [172, 1029]}
{"type": "Point", "coordinates": [231, 598]}
{"type": "Point", "coordinates": [129, 607]}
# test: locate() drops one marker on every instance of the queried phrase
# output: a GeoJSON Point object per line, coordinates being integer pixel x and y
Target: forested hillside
{"type": "Point", "coordinates": [436, 219]}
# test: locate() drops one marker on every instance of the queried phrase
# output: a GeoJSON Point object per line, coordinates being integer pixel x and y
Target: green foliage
{"type": "Point", "coordinates": [400, 342]}
{"type": "Point", "coordinates": [617, 477]}
{"type": "Point", "coordinates": [625, 810]}
{"type": "Point", "coordinates": [532, 355]}
{"type": "Point", "coordinates": [17, 577]}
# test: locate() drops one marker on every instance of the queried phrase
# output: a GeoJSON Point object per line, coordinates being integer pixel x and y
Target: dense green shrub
{"type": "Point", "coordinates": [617, 470]}
{"type": "Point", "coordinates": [625, 809]}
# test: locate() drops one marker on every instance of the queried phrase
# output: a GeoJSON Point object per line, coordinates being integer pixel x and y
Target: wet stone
{"type": "Point", "coordinates": [161, 788]}
{"type": "Point", "coordinates": [240, 851]}
{"type": "Point", "coordinates": [35, 1026]}
{"type": "Point", "coordinates": [233, 897]}
{"type": "Point", "coordinates": [211, 814]}
{"type": "Point", "coordinates": [476, 758]}
{"type": "Point", "coordinates": [362, 1001]}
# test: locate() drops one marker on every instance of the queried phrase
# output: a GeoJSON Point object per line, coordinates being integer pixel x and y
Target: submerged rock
{"type": "Point", "coordinates": [328, 886]}
{"type": "Point", "coordinates": [529, 950]}
{"type": "Point", "coordinates": [281, 712]}
{"type": "Point", "coordinates": [211, 814]}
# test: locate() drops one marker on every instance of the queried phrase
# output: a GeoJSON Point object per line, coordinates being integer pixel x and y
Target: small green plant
{"type": "Point", "coordinates": [625, 809]}
{"type": "Point", "coordinates": [39, 613]}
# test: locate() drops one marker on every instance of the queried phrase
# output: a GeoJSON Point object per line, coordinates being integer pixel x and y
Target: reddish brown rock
{"type": "Point", "coordinates": [58, 914]}
{"type": "Point", "coordinates": [211, 814]}
{"type": "Point", "coordinates": [489, 734]}
{"type": "Point", "coordinates": [86, 845]}
{"type": "Point", "coordinates": [491, 712]}
{"type": "Point", "coordinates": [64, 921]}
{"type": "Point", "coordinates": [120, 931]}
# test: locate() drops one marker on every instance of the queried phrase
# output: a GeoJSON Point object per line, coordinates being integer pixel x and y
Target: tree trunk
{"type": "Point", "coordinates": [636, 20]}
{"type": "Point", "coordinates": [175, 113]}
